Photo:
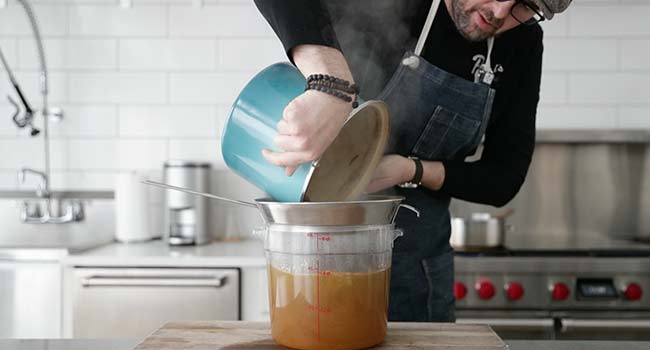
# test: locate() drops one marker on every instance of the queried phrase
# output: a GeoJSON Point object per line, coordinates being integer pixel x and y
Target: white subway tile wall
{"type": "Point", "coordinates": [70, 54]}
{"type": "Point", "coordinates": [153, 82]}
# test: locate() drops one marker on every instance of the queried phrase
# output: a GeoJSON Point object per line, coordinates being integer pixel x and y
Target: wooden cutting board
{"type": "Point", "coordinates": [240, 335]}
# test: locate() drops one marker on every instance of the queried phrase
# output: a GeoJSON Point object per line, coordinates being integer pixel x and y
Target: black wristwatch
{"type": "Point", "coordinates": [416, 181]}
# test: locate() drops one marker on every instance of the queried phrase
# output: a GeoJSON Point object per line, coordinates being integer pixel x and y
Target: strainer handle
{"type": "Point", "coordinates": [203, 194]}
{"type": "Point", "coordinates": [411, 208]}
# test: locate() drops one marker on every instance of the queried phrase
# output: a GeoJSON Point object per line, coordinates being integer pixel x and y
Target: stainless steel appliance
{"type": "Point", "coordinates": [557, 288]}
{"type": "Point", "coordinates": [133, 302]}
{"type": "Point", "coordinates": [480, 231]}
{"type": "Point", "coordinates": [186, 215]}
{"type": "Point", "coordinates": [577, 264]}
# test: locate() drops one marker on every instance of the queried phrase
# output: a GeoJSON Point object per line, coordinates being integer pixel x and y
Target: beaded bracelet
{"type": "Point", "coordinates": [341, 84]}
{"type": "Point", "coordinates": [334, 86]}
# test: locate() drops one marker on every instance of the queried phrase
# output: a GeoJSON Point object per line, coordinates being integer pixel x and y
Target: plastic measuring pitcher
{"type": "Point", "coordinates": [328, 285]}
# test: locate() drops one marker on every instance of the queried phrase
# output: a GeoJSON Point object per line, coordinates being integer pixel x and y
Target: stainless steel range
{"type": "Point", "coordinates": [577, 263]}
{"type": "Point", "coordinates": [558, 289]}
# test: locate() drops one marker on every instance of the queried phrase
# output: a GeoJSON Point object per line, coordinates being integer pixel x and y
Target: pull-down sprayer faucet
{"type": "Point", "coordinates": [73, 211]}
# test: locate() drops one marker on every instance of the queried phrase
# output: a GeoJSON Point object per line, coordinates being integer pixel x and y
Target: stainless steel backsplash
{"type": "Point", "coordinates": [582, 182]}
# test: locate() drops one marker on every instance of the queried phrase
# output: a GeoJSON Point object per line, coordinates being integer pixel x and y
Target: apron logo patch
{"type": "Point", "coordinates": [477, 72]}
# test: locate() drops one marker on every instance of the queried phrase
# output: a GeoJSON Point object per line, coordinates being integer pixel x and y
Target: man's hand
{"type": "Point", "coordinates": [312, 120]}
{"type": "Point", "coordinates": [309, 125]}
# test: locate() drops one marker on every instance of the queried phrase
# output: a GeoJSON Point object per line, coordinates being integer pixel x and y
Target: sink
{"type": "Point", "coordinates": [96, 229]}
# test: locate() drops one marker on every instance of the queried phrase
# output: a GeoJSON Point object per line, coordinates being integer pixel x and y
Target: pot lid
{"type": "Point", "coordinates": [346, 167]}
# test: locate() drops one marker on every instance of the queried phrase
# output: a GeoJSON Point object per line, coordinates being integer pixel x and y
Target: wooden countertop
{"type": "Point", "coordinates": [241, 335]}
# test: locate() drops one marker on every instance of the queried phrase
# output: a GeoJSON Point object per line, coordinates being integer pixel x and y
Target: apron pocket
{"type": "Point", "coordinates": [447, 135]}
{"type": "Point", "coordinates": [440, 299]}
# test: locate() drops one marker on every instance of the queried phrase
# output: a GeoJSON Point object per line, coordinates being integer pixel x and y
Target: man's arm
{"type": "Point", "coordinates": [312, 120]}
{"type": "Point", "coordinates": [299, 22]}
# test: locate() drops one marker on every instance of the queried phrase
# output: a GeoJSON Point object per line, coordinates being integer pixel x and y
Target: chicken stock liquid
{"type": "Point", "coordinates": [328, 310]}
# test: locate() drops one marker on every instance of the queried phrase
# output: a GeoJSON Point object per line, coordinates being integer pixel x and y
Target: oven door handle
{"type": "Point", "coordinates": [513, 324]}
{"type": "Point", "coordinates": [215, 282]}
{"type": "Point", "coordinates": [573, 324]}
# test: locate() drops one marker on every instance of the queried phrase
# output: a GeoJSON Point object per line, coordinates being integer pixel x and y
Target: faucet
{"type": "Point", "coordinates": [41, 212]}
{"type": "Point", "coordinates": [43, 188]}
{"type": "Point", "coordinates": [54, 113]}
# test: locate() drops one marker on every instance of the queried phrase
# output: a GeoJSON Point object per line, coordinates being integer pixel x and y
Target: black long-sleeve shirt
{"type": "Point", "coordinates": [374, 34]}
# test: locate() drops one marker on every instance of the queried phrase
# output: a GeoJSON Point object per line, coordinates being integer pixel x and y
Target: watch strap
{"type": "Point", "coordinates": [417, 178]}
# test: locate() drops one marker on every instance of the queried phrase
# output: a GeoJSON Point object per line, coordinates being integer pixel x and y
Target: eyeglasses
{"type": "Point", "coordinates": [525, 12]}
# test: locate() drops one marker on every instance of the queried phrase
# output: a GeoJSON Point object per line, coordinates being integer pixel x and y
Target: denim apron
{"type": "Point", "coordinates": [435, 115]}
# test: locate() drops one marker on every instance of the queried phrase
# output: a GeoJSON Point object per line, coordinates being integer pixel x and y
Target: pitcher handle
{"type": "Point", "coordinates": [411, 208]}
{"type": "Point", "coordinates": [397, 233]}
{"type": "Point", "coordinates": [259, 233]}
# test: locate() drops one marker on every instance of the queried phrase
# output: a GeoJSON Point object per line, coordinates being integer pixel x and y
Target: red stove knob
{"type": "Point", "coordinates": [460, 291]}
{"type": "Point", "coordinates": [633, 292]}
{"type": "Point", "coordinates": [560, 292]}
{"type": "Point", "coordinates": [514, 291]}
{"type": "Point", "coordinates": [484, 288]}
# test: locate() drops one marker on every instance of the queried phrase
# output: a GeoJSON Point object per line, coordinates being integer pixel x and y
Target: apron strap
{"type": "Point", "coordinates": [488, 65]}
{"type": "Point", "coordinates": [427, 27]}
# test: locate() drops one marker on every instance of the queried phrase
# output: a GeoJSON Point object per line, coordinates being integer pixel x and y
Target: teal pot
{"type": "Point", "coordinates": [344, 170]}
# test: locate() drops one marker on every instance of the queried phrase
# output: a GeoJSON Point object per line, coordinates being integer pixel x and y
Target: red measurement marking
{"type": "Point", "coordinates": [320, 309]}
{"type": "Point", "coordinates": [318, 236]}
{"type": "Point", "coordinates": [318, 271]}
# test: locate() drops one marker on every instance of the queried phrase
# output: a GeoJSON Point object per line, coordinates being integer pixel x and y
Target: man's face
{"type": "Point", "coordinates": [478, 20]}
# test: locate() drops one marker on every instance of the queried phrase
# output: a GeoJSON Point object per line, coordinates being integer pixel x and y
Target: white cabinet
{"type": "Point", "coordinates": [255, 300]}
{"type": "Point", "coordinates": [30, 299]}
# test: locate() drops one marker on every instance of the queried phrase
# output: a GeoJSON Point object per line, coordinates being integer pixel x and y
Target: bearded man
{"type": "Point", "coordinates": [455, 74]}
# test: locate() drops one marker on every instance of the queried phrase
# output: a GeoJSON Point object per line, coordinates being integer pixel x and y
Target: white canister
{"type": "Point", "coordinates": [131, 208]}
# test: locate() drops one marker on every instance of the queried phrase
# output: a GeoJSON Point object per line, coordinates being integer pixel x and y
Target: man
{"type": "Point", "coordinates": [475, 73]}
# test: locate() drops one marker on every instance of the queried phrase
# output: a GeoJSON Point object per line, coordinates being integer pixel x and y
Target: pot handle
{"type": "Point", "coordinates": [411, 208]}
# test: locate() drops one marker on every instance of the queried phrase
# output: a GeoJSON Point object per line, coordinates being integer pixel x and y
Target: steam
{"type": "Point", "coordinates": [372, 34]}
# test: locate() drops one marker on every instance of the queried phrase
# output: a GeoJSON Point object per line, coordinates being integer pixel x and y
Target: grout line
{"type": "Point", "coordinates": [118, 62]}
{"type": "Point", "coordinates": [218, 46]}
{"type": "Point", "coordinates": [619, 57]}
{"type": "Point", "coordinates": [168, 20]}
{"type": "Point", "coordinates": [567, 87]}
{"type": "Point", "coordinates": [68, 12]}
{"type": "Point", "coordinates": [168, 80]}
{"type": "Point", "coordinates": [118, 113]}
